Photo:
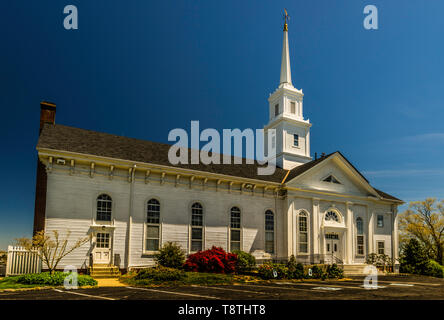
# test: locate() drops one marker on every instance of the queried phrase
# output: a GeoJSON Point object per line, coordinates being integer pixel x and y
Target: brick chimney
{"type": "Point", "coordinates": [47, 115]}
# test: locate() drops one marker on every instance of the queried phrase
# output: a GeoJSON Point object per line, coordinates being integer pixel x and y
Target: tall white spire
{"type": "Point", "coordinates": [285, 65]}
{"type": "Point", "coordinates": [286, 117]}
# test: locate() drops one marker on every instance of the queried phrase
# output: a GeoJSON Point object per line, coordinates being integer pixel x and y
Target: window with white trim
{"type": "Point", "coordinates": [102, 240]}
{"type": "Point", "coordinates": [104, 207]}
{"type": "Point", "coordinates": [380, 221]}
{"type": "Point", "coordinates": [152, 236]}
{"type": "Point", "coordinates": [235, 229]}
{"type": "Point", "coordinates": [276, 110]}
{"type": "Point", "coordinates": [196, 227]}
{"type": "Point", "coordinates": [360, 236]}
{"type": "Point", "coordinates": [269, 231]}
{"type": "Point", "coordinates": [381, 247]}
{"type": "Point", "coordinates": [296, 140]}
{"type": "Point", "coordinates": [303, 232]}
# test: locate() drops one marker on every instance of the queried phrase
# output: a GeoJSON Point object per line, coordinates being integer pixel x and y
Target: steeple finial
{"type": "Point", "coordinates": [286, 17]}
{"type": "Point", "coordinates": [285, 66]}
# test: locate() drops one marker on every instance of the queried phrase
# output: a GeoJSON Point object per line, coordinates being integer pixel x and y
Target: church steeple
{"type": "Point", "coordinates": [285, 64]}
{"type": "Point", "coordinates": [292, 139]}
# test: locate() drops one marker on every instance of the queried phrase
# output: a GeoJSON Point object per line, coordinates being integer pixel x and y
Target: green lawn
{"type": "Point", "coordinates": [188, 278]}
{"type": "Point", "coordinates": [11, 283]}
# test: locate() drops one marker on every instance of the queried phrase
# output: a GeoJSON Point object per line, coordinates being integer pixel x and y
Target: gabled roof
{"type": "Point", "coordinates": [299, 170]}
{"type": "Point", "coordinates": [63, 138]}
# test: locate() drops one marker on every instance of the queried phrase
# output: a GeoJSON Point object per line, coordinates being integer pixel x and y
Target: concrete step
{"type": "Point", "coordinates": [354, 269]}
{"type": "Point", "coordinates": [101, 271]}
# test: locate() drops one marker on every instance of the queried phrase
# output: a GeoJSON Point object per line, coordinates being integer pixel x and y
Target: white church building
{"type": "Point", "coordinates": [126, 194]}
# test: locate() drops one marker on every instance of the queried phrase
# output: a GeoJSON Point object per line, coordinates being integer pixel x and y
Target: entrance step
{"type": "Point", "coordinates": [104, 271]}
{"type": "Point", "coordinates": [354, 269]}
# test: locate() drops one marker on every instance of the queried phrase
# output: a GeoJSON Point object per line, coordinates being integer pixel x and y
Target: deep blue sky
{"type": "Point", "coordinates": [142, 68]}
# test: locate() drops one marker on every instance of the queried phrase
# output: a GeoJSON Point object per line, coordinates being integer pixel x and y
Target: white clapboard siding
{"type": "Point", "coordinates": [21, 261]}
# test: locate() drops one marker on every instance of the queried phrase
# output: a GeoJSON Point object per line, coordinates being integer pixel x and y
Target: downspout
{"type": "Point", "coordinates": [130, 217]}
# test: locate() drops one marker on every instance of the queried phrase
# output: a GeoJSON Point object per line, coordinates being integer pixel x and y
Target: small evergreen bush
{"type": "Point", "coordinates": [295, 270]}
{"type": "Point", "coordinates": [268, 270]}
{"type": "Point", "coordinates": [245, 261]}
{"type": "Point", "coordinates": [160, 274]}
{"type": "Point", "coordinates": [170, 255]}
{"type": "Point", "coordinates": [334, 272]}
{"type": "Point", "coordinates": [434, 269]}
{"type": "Point", "coordinates": [318, 273]}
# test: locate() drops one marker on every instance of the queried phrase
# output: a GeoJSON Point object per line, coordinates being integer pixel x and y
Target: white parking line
{"type": "Point", "coordinates": [282, 288]}
{"type": "Point", "coordinates": [236, 290]}
{"type": "Point", "coordinates": [401, 284]}
{"type": "Point", "coordinates": [324, 285]}
{"type": "Point", "coordinates": [326, 288]}
{"type": "Point", "coordinates": [176, 293]}
{"type": "Point", "coordinates": [84, 294]}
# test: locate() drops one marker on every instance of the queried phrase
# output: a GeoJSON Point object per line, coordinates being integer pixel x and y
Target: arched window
{"type": "Point", "coordinates": [152, 237]}
{"type": "Point", "coordinates": [331, 216]}
{"type": "Point", "coordinates": [196, 227]}
{"type": "Point", "coordinates": [360, 235]}
{"type": "Point", "coordinates": [104, 207]}
{"type": "Point", "coordinates": [269, 231]}
{"type": "Point", "coordinates": [303, 232]}
{"type": "Point", "coordinates": [235, 229]}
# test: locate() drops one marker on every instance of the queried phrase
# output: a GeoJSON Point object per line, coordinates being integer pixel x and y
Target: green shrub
{"type": "Point", "coordinates": [170, 255]}
{"type": "Point", "coordinates": [333, 271]}
{"type": "Point", "coordinates": [413, 258]}
{"type": "Point", "coordinates": [245, 261]}
{"type": "Point", "coordinates": [160, 274]}
{"type": "Point", "coordinates": [266, 271]}
{"type": "Point", "coordinates": [56, 279]}
{"type": "Point", "coordinates": [295, 270]}
{"type": "Point", "coordinates": [318, 273]}
{"type": "Point", "coordinates": [434, 269]}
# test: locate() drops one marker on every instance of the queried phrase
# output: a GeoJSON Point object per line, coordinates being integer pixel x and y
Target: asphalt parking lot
{"type": "Point", "coordinates": [389, 288]}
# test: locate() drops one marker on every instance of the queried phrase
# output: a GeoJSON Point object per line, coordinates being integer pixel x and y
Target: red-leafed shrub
{"type": "Point", "coordinates": [215, 260]}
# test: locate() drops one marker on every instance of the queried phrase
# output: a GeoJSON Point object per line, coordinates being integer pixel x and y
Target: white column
{"type": "Point", "coordinates": [349, 234]}
{"type": "Point", "coordinates": [395, 238]}
{"type": "Point", "coordinates": [370, 229]}
{"type": "Point", "coordinates": [316, 226]}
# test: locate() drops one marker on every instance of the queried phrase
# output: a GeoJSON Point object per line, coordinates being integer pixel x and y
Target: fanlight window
{"type": "Point", "coordinates": [331, 179]}
{"type": "Point", "coordinates": [331, 216]}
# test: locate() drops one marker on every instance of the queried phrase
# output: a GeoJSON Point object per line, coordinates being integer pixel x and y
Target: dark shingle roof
{"type": "Point", "coordinates": [64, 138]}
{"type": "Point", "coordinates": [70, 139]}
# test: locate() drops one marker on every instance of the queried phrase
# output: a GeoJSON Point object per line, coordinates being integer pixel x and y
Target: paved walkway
{"type": "Point", "coordinates": [111, 282]}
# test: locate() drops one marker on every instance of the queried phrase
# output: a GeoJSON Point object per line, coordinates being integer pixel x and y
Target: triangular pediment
{"type": "Point", "coordinates": [333, 174]}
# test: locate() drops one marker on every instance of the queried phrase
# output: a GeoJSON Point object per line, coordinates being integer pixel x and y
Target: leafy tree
{"type": "Point", "coordinates": [3, 257]}
{"type": "Point", "coordinates": [413, 258]}
{"type": "Point", "coordinates": [51, 249]}
{"type": "Point", "coordinates": [424, 221]}
{"type": "Point", "coordinates": [170, 255]}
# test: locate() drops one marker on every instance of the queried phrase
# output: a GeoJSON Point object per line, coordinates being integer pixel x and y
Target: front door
{"type": "Point", "coordinates": [333, 250]}
{"type": "Point", "coordinates": [102, 249]}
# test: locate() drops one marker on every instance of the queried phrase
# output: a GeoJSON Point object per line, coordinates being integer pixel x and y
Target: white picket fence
{"type": "Point", "coordinates": [21, 261]}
